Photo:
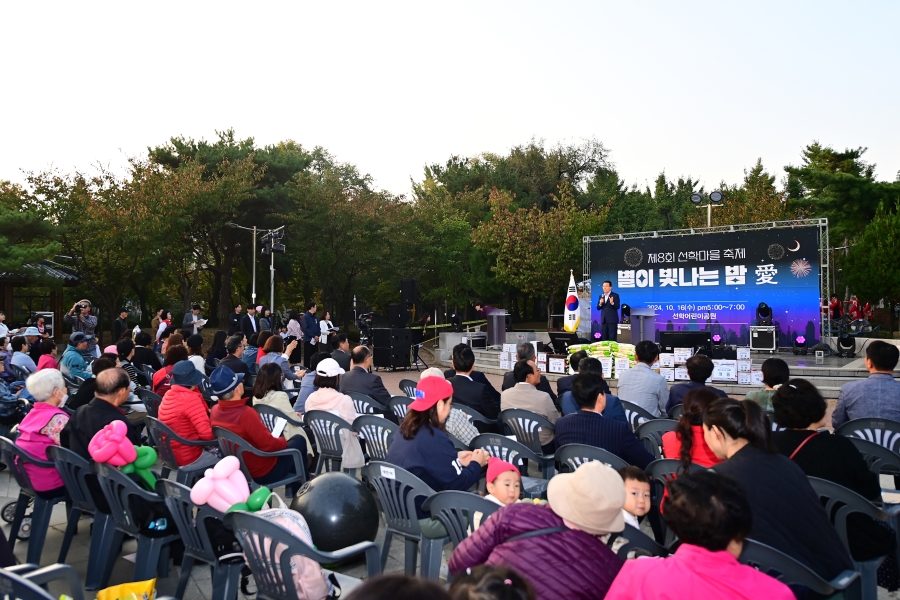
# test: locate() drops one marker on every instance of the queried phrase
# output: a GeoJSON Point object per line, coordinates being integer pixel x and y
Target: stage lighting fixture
{"type": "Point", "coordinates": [715, 196]}
{"type": "Point", "coordinates": [456, 321]}
{"type": "Point", "coordinates": [800, 345]}
{"type": "Point", "coordinates": [696, 198]}
{"type": "Point", "coordinates": [626, 313]}
{"type": "Point", "coordinates": [763, 314]}
{"type": "Point", "coordinates": [846, 346]}
{"type": "Point", "coordinates": [717, 339]}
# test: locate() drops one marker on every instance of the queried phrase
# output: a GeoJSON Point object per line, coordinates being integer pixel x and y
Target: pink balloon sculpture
{"type": "Point", "coordinates": [111, 445]}
{"type": "Point", "coordinates": [223, 486]}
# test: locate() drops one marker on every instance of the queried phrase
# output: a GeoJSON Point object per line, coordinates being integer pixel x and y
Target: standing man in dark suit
{"type": "Point", "coordinates": [234, 320]}
{"type": "Point", "coordinates": [465, 390]}
{"type": "Point", "coordinates": [526, 352]}
{"type": "Point", "coordinates": [309, 325]}
{"type": "Point", "coordinates": [341, 354]}
{"type": "Point", "coordinates": [250, 322]}
{"type": "Point", "coordinates": [358, 379]}
{"type": "Point", "coordinates": [608, 305]}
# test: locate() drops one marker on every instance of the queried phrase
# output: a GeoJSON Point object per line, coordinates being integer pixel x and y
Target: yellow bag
{"type": "Point", "coordinates": [137, 590]}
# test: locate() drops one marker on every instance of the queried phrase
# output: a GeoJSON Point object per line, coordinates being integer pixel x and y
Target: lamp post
{"type": "Point", "coordinates": [714, 197]}
{"type": "Point", "coordinates": [253, 229]}
{"type": "Point", "coordinates": [272, 245]}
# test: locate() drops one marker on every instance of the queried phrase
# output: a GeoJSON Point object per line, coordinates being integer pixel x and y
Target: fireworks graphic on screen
{"type": "Point", "coordinates": [800, 268]}
{"type": "Point", "coordinates": [776, 251]}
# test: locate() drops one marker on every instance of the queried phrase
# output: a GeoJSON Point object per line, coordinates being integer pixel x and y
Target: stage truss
{"type": "Point", "coordinates": [821, 224]}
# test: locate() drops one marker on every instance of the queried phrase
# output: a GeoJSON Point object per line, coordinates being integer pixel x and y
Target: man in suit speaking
{"type": "Point", "coordinates": [608, 305]}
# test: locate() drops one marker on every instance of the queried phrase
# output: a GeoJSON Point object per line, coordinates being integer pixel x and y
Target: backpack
{"type": "Point", "coordinates": [309, 578]}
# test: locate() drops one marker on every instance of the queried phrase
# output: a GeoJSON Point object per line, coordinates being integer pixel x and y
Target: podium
{"type": "Point", "coordinates": [496, 328]}
{"type": "Point", "coordinates": [643, 326]}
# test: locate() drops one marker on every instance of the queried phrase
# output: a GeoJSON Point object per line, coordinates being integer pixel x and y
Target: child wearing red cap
{"type": "Point", "coordinates": [504, 483]}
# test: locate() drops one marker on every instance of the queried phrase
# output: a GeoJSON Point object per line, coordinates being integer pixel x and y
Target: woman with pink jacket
{"type": "Point", "coordinates": [711, 516]}
{"type": "Point", "coordinates": [41, 427]}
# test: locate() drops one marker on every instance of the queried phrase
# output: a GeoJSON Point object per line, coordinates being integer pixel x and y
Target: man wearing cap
{"type": "Point", "coordinates": [183, 409]}
{"type": "Point", "coordinates": [33, 337]}
{"type": "Point", "coordinates": [422, 447]}
{"type": "Point", "coordinates": [250, 322]}
{"type": "Point", "coordinates": [232, 413]}
{"type": "Point", "coordinates": [589, 426]}
{"type": "Point", "coordinates": [359, 380]}
{"type": "Point", "coordinates": [81, 319]}
{"type": "Point", "coordinates": [190, 320]}
{"type": "Point", "coordinates": [73, 363]}
{"type": "Point", "coordinates": [120, 325]}
{"type": "Point", "coordinates": [555, 546]}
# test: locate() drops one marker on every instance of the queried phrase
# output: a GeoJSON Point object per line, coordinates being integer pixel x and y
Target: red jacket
{"type": "Point", "coordinates": [185, 412]}
{"type": "Point", "coordinates": [700, 452]}
{"type": "Point", "coordinates": [569, 564]}
{"type": "Point", "coordinates": [162, 380]}
{"type": "Point", "coordinates": [240, 419]}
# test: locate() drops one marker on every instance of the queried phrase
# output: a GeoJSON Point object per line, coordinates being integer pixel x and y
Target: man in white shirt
{"type": "Point", "coordinates": [643, 386]}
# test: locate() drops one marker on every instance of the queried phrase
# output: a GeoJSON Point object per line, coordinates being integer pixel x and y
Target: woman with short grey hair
{"type": "Point", "coordinates": [41, 427]}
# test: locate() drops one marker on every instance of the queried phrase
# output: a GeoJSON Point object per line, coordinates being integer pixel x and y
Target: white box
{"type": "Point", "coordinates": [669, 374]}
{"type": "Point", "coordinates": [505, 365]}
{"type": "Point", "coordinates": [682, 354]}
{"type": "Point", "coordinates": [744, 366]}
{"type": "Point", "coordinates": [681, 374]}
{"type": "Point", "coordinates": [724, 370]}
{"type": "Point", "coordinates": [542, 367]}
{"type": "Point", "coordinates": [756, 378]}
{"type": "Point", "coordinates": [509, 348]}
{"type": "Point", "coordinates": [542, 357]}
{"type": "Point", "coordinates": [667, 360]}
{"type": "Point", "coordinates": [606, 363]}
{"type": "Point", "coordinates": [556, 365]}
{"type": "Point", "coordinates": [622, 364]}
{"type": "Point", "coordinates": [743, 353]}
{"type": "Point", "coordinates": [744, 378]}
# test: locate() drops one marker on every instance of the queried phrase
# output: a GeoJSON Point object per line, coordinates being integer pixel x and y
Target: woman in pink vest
{"type": "Point", "coordinates": [41, 427]}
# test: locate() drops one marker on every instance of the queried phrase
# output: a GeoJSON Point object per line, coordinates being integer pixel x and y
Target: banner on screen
{"type": "Point", "coordinates": [715, 281]}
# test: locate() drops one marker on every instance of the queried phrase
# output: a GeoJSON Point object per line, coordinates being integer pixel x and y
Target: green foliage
{"type": "Point", "coordinates": [25, 237]}
{"type": "Point", "coordinates": [871, 266]}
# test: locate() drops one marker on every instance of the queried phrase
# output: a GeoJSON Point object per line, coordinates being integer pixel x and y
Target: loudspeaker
{"type": "Point", "coordinates": [397, 315]}
{"type": "Point", "coordinates": [409, 291]}
{"type": "Point", "coordinates": [381, 338]}
{"type": "Point", "coordinates": [392, 358]}
{"type": "Point", "coordinates": [401, 338]}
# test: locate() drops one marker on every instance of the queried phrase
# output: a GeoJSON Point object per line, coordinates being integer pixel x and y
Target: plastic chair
{"type": "Point", "coordinates": [269, 547]}
{"type": "Point", "coordinates": [366, 405]}
{"type": "Point", "coordinates": [151, 401]}
{"type": "Point", "coordinates": [408, 387]}
{"type": "Point", "coordinates": [883, 432]}
{"type": "Point", "coordinates": [456, 510]}
{"type": "Point", "coordinates": [20, 373]}
{"type": "Point", "coordinates": [377, 432]}
{"type": "Point", "coordinates": [163, 437]}
{"type": "Point", "coordinates": [326, 428]}
{"type": "Point", "coordinates": [397, 491]}
{"type": "Point", "coordinates": [526, 426]}
{"type": "Point", "coordinates": [26, 582]}
{"type": "Point", "coordinates": [270, 414]}
{"type": "Point", "coordinates": [16, 458]}
{"type": "Point", "coordinates": [474, 415]}
{"type": "Point", "coordinates": [841, 502]}
{"type": "Point", "coordinates": [651, 432]}
{"type": "Point", "coordinates": [636, 415]}
{"type": "Point", "coordinates": [232, 444]}
{"type": "Point", "coordinates": [572, 456]}
{"type": "Point", "coordinates": [789, 571]}
{"type": "Point", "coordinates": [71, 385]}
{"type": "Point", "coordinates": [676, 412]}
{"type": "Point", "coordinates": [399, 405]}
{"type": "Point", "coordinates": [191, 521]}
{"type": "Point", "coordinates": [878, 458]}
{"type": "Point", "coordinates": [637, 540]}
{"type": "Point", "coordinates": [516, 453]}
{"type": "Point", "coordinates": [661, 472]}
{"type": "Point", "coordinates": [120, 491]}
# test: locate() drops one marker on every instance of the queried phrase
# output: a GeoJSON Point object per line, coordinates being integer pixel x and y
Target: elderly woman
{"type": "Point", "coordinates": [711, 516]}
{"type": "Point", "coordinates": [548, 544]}
{"type": "Point", "coordinates": [269, 391]}
{"type": "Point", "coordinates": [329, 399]}
{"type": "Point", "coordinates": [41, 427]}
{"type": "Point", "coordinates": [276, 353]}
{"type": "Point", "coordinates": [424, 449]}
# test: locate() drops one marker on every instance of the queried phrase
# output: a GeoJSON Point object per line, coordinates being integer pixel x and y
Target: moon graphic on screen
{"type": "Point", "coordinates": [795, 249]}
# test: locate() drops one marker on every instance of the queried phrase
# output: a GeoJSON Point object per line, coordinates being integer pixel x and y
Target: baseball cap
{"type": "Point", "coordinates": [329, 367]}
{"type": "Point", "coordinates": [430, 391]}
{"type": "Point", "coordinates": [78, 337]}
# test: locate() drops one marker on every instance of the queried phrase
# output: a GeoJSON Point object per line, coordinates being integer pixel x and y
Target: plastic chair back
{"type": "Point", "coordinates": [378, 434]}
{"type": "Point", "coordinates": [456, 511]}
{"type": "Point", "coordinates": [506, 449]}
{"type": "Point", "coordinates": [789, 571]}
{"type": "Point", "coordinates": [399, 405]}
{"type": "Point", "coordinates": [20, 373]}
{"type": "Point", "coordinates": [661, 472]}
{"type": "Point", "coordinates": [162, 437]}
{"type": "Point", "coordinates": [326, 428]}
{"type": "Point", "coordinates": [73, 469]}
{"type": "Point", "coordinates": [190, 519]}
{"type": "Point", "coordinates": [270, 415]}
{"type": "Point", "coordinates": [526, 426]}
{"type": "Point", "coordinates": [883, 432]}
{"type": "Point", "coordinates": [636, 415]}
{"type": "Point", "coordinates": [15, 458]}
{"type": "Point", "coordinates": [878, 458]}
{"type": "Point", "coordinates": [18, 587]}
{"type": "Point", "coordinates": [473, 414]}
{"type": "Point", "coordinates": [397, 490]}
{"type": "Point", "coordinates": [651, 432]}
{"type": "Point", "coordinates": [841, 502]}
{"type": "Point", "coordinates": [637, 540]}
{"type": "Point", "coordinates": [364, 404]}
{"type": "Point", "coordinates": [150, 399]}
{"type": "Point", "coordinates": [770, 418]}
{"type": "Point", "coordinates": [232, 444]}
{"type": "Point", "coordinates": [408, 386]}
{"type": "Point", "coordinates": [676, 411]}
{"type": "Point", "coordinates": [118, 488]}
{"type": "Point", "coordinates": [571, 456]}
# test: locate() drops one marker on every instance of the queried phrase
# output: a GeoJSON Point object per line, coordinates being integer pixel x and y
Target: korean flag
{"type": "Point", "coordinates": [572, 316]}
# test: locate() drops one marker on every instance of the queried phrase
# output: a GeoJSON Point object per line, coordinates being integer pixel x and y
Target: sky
{"type": "Point", "coordinates": [694, 88]}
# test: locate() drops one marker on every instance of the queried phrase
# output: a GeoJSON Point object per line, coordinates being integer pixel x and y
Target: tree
{"type": "Point", "coordinates": [535, 249]}
{"type": "Point", "coordinates": [871, 268]}
{"type": "Point", "coordinates": [25, 237]}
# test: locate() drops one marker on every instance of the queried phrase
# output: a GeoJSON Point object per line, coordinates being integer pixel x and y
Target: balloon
{"type": "Point", "coordinates": [111, 445]}
{"type": "Point", "coordinates": [339, 509]}
{"type": "Point", "coordinates": [239, 506]}
{"type": "Point", "coordinates": [258, 499]}
{"type": "Point", "coordinates": [223, 486]}
{"type": "Point", "coordinates": [146, 458]}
